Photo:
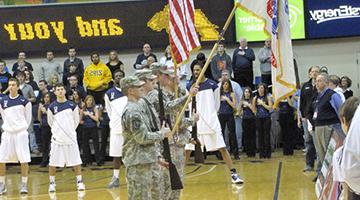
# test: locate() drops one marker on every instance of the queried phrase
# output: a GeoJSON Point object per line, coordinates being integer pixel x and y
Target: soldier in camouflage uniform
{"type": "Point", "coordinates": [152, 119]}
{"type": "Point", "coordinates": [139, 149]}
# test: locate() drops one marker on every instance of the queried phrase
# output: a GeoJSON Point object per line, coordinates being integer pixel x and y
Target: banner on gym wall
{"type": "Point", "coordinates": [337, 18]}
{"type": "Point", "coordinates": [249, 26]}
{"type": "Point", "coordinates": [101, 26]}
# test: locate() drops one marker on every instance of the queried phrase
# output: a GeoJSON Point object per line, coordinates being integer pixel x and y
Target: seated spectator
{"type": "Point", "coordinates": [142, 58]}
{"type": "Point", "coordinates": [90, 118]}
{"type": "Point", "coordinates": [50, 67]}
{"type": "Point", "coordinates": [97, 77]}
{"type": "Point", "coordinates": [114, 62]}
{"type": "Point", "coordinates": [345, 85]}
{"type": "Point", "coordinates": [346, 159]}
{"type": "Point", "coordinates": [334, 83]}
{"type": "Point", "coordinates": [4, 76]}
{"type": "Point", "coordinates": [76, 62]}
{"type": "Point", "coordinates": [21, 64]}
{"type": "Point", "coordinates": [75, 86]}
{"type": "Point", "coordinates": [45, 128]}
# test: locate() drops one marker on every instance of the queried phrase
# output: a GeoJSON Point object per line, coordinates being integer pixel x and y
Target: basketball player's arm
{"type": "Point", "coordinates": [76, 115]}
{"type": "Point", "coordinates": [28, 113]}
{"type": "Point", "coordinates": [217, 98]}
{"type": "Point", "coordinates": [50, 117]}
{"type": "Point", "coordinates": [107, 105]}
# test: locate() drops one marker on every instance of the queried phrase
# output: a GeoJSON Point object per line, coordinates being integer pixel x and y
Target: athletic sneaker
{"type": "Point", "coordinates": [52, 187]}
{"type": "Point", "coordinates": [80, 186]}
{"type": "Point", "coordinates": [114, 182]}
{"type": "Point", "coordinates": [2, 188]}
{"type": "Point", "coordinates": [23, 188]}
{"type": "Point", "coordinates": [235, 178]}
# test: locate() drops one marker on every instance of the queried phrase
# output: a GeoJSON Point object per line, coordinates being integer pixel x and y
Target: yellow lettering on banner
{"type": "Point", "coordinates": [42, 30]}
{"type": "Point", "coordinates": [84, 27]}
{"type": "Point", "coordinates": [11, 30]}
{"type": "Point", "coordinates": [99, 23]}
{"type": "Point", "coordinates": [59, 31]}
{"type": "Point", "coordinates": [26, 31]}
{"type": "Point", "coordinates": [114, 29]}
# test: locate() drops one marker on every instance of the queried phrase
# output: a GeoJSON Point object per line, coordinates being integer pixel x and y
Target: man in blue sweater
{"type": "Point", "coordinates": [242, 63]}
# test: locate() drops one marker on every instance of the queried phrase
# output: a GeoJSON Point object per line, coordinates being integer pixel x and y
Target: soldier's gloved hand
{"type": "Point", "coordinates": [165, 130]}
{"type": "Point", "coordinates": [162, 162]}
{"type": "Point", "coordinates": [195, 116]}
{"type": "Point", "coordinates": [194, 90]}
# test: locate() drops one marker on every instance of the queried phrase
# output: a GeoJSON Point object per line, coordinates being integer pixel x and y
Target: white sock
{"type": "Point", "coordinates": [116, 173]}
{"type": "Point", "coordinates": [78, 178]}
{"type": "Point", "coordinates": [52, 179]}
{"type": "Point", "coordinates": [24, 179]}
{"type": "Point", "coordinates": [2, 179]}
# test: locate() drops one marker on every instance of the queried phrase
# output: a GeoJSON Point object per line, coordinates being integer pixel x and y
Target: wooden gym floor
{"type": "Point", "coordinates": [210, 181]}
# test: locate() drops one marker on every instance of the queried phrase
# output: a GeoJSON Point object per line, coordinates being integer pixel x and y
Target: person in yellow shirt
{"type": "Point", "coordinates": [96, 78]}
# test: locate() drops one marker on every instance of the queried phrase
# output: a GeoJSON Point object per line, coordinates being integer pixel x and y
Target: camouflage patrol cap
{"type": "Point", "coordinates": [145, 74]}
{"type": "Point", "coordinates": [155, 67]}
{"type": "Point", "coordinates": [130, 81]}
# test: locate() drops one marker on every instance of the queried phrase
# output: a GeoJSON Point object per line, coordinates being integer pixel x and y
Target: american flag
{"type": "Point", "coordinates": [182, 34]}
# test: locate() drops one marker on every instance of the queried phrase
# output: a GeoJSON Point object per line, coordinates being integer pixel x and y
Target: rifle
{"type": "Point", "coordinates": [175, 179]}
{"type": "Point", "coordinates": [199, 156]}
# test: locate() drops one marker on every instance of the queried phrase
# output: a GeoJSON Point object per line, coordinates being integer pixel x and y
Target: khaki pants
{"type": "Point", "coordinates": [321, 142]}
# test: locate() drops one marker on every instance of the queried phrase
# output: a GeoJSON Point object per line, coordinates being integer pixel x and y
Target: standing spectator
{"type": "Point", "coordinates": [114, 62]}
{"type": "Point", "coordinates": [182, 70]}
{"type": "Point", "coordinates": [326, 116]}
{"type": "Point", "coordinates": [105, 132]}
{"type": "Point", "coordinates": [50, 67]}
{"type": "Point", "coordinates": [242, 63]}
{"type": "Point", "coordinates": [220, 62]}
{"type": "Point", "coordinates": [225, 76]}
{"type": "Point", "coordinates": [96, 78]}
{"type": "Point", "coordinates": [72, 71]}
{"type": "Point", "coordinates": [265, 62]}
{"type": "Point", "coordinates": [28, 92]}
{"type": "Point", "coordinates": [263, 105]}
{"type": "Point", "coordinates": [4, 76]}
{"type": "Point", "coordinates": [287, 124]}
{"type": "Point", "coordinates": [345, 85]}
{"type": "Point", "coordinates": [142, 58]}
{"type": "Point", "coordinates": [75, 62]}
{"type": "Point", "coordinates": [226, 115]}
{"type": "Point", "coordinates": [308, 95]}
{"type": "Point", "coordinates": [247, 110]}
{"type": "Point", "coordinates": [29, 79]}
{"type": "Point", "coordinates": [45, 129]}
{"type": "Point", "coordinates": [334, 82]}
{"type": "Point", "coordinates": [21, 64]}
{"type": "Point", "coordinates": [90, 117]}
{"type": "Point", "coordinates": [75, 86]}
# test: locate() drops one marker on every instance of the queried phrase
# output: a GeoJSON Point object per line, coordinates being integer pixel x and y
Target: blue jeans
{"type": "Point", "coordinates": [32, 137]}
{"type": "Point", "coordinates": [238, 131]}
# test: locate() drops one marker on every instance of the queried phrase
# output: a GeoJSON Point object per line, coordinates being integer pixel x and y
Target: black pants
{"type": "Point", "coordinates": [249, 134]}
{"type": "Point", "coordinates": [287, 124]}
{"type": "Point", "coordinates": [244, 78]}
{"type": "Point", "coordinates": [228, 119]}
{"type": "Point", "coordinates": [98, 96]}
{"type": "Point", "coordinates": [263, 127]}
{"type": "Point", "coordinates": [266, 78]}
{"type": "Point", "coordinates": [310, 156]}
{"type": "Point", "coordinates": [45, 144]}
{"type": "Point", "coordinates": [94, 135]}
{"type": "Point", "coordinates": [105, 131]}
{"type": "Point", "coordinates": [79, 132]}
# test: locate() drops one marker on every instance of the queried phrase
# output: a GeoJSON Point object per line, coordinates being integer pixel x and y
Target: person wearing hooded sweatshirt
{"type": "Point", "coordinates": [96, 78]}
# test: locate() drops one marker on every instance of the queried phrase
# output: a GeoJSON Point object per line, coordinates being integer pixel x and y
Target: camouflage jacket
{"type": "Point", "coordinates": [139, 141]}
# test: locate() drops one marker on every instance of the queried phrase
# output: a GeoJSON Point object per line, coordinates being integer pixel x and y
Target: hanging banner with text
{"type": "Point", "coordinates": [100, 26]}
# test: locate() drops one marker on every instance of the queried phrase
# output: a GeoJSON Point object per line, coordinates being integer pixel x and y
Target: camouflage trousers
{"type": "Point", "coordinates": [157, 189]}
{"type": "Point", "coordinates": [178, 158]}
{"type": "Point", "coordinates": [145, 182]}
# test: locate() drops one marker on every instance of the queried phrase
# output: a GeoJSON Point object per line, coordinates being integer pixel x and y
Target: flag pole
{"type": "Point", "coordinates": [202, 73]}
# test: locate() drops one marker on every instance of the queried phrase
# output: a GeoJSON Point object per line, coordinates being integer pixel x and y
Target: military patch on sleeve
{"type": "Point", "coordinates": [136, 123]}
